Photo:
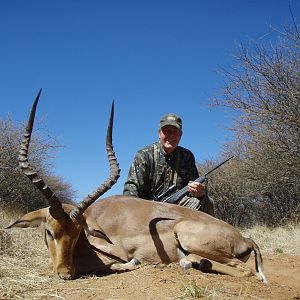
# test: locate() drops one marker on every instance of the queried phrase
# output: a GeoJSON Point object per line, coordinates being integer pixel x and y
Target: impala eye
{"type": "Point", "coordinates": [49, 233]}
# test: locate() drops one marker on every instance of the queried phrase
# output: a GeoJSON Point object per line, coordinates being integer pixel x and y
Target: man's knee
{"type": "Point", "coordinates": [207, 205]}
{"type": "Point", "coordinates": [190, 202]}
{"type": "Point", "coordinates": [204, 204]}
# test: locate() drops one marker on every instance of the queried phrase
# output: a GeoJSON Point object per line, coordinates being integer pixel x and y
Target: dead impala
{"type": "Point", "coordinates": [120, 232]}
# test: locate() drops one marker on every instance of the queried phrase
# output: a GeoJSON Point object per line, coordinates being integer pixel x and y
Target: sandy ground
{"type": "Point", "coordinates": [25, 273]}
{"type": "Point", "coordinates": [168, 282]}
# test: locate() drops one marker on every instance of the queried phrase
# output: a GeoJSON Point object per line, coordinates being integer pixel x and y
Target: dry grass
{"type": "Point", "coordinates": [21, 250]}
{"type": "Point", "coordinates": [276, 240]}
{"type": "Point", "coordinates": [194, 290]}
{"type": "Point", "coordinates": [24, 260]}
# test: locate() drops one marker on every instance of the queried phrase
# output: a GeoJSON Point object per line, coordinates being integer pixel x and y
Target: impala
{"type": "Point", "coordinates": [120, 232]}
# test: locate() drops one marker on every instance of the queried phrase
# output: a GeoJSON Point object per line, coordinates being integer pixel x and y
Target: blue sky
{"type": "Point", "coordinates": [152, 57]}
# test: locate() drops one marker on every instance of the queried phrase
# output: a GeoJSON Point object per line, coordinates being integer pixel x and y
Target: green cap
{"type": "Point", "coordinates": [172, 120]}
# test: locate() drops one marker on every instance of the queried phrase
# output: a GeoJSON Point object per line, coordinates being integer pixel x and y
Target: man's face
{"type": "Point", "coordinates": [169, 137]}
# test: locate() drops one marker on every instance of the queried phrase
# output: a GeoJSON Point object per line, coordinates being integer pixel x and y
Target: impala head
{"type": "Point", "coordinates": [61, 236]}
{"type": "Point", "coordinates": [63, 223]}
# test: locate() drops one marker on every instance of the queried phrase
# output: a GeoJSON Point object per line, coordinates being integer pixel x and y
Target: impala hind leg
{"type": "Point", "coordinates": [207, 265]}
{"type": "Point", "coordinates": [199, 248]}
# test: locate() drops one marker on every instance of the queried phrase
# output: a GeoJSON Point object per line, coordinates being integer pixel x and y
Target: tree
{"type": "Point", "coordinates": [17, 193]}
{"type": "Point", "coordinates": [263, 91]}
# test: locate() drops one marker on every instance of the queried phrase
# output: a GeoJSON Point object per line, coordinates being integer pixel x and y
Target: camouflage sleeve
{"type": "Point", "coordinates": [136, 183]}
{"type": "Point", "coordinates": [193, 171]}
{"type": "Point", "coordinates": [188, 167]}
{"type": "Point", "coordinates": [194, 174]}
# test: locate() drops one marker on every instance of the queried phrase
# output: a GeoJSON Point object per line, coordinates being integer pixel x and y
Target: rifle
{"type": "Point", "coordinates": [184, 191]}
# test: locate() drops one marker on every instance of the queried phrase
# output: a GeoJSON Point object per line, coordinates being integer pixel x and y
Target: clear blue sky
{"type": "Point", "coordinates": [152, 57]}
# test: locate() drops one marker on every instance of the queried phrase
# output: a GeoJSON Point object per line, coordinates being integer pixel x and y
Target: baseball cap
{"type": "Point", "coordinates": [171, 119]}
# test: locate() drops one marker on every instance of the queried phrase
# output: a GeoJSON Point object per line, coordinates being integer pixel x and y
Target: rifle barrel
{"type": "Point", "coordinates": [184, 191]}
{"type": "Point", "coordinates": [219, 165]}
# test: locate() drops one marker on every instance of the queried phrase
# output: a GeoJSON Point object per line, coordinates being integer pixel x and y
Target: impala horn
{"type": "Point", "coordinates": [110, 181]}
{"type": "Point", "coordinates": [56, 209]}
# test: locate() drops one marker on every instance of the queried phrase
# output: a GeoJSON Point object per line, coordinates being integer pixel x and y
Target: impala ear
{"type": "Point", "coordinates": [32, 219]}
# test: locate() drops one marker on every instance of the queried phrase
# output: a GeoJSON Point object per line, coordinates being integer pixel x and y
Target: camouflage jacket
{"type": "Point", "coordinates": [153, 171]}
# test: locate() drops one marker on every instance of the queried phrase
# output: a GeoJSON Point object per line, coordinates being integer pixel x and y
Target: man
{"type": "Point", "coordinates": [163, 164]}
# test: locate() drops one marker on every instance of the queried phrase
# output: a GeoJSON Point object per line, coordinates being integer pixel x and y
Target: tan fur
{"type": "Point", "coordinates": [141, 231]}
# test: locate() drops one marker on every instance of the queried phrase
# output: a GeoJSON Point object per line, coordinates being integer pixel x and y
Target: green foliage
{"type": "Point", "coordinates": [193, 291]}
{"type": "Point", "coordinates": [278, 250]}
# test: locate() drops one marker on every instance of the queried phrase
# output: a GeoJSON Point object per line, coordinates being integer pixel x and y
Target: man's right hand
{"type": "Point", "coordinates": [196, 189]}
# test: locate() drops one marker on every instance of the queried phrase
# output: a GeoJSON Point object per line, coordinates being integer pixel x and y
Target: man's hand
{"type": "Point", "coordinates": [196, 189]}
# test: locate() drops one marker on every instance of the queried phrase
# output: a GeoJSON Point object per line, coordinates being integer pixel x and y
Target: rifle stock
{"type": "Point", "coordinates": [184, 191]}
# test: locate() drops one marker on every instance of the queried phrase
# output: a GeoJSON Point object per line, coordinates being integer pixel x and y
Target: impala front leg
{"type": "Point", "coordinates": [111, 250]}
{"type": "Point", "coordinates": [122, 267]}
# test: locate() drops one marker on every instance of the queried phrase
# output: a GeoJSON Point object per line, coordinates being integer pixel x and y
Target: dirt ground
{"type": "Point", "coordinates": [25, 273]}
{"type": "Point", "coordinates": [168, 282]}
